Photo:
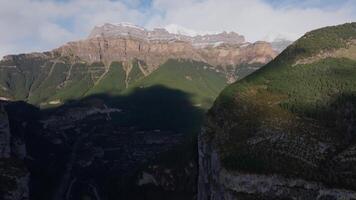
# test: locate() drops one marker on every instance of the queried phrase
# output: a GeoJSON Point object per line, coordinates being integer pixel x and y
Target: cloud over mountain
{"type": "Point", "coordinates": [37, 25]}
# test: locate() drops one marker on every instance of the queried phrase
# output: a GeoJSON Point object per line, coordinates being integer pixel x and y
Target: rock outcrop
{"type": "Point", "coordinates": [128, 30]}
{"type": "Point", "coordinates": [83, 142]}
{"type": "Point", "coordinates": [125, 54]}
{"type": "Point", "coordinates": [14, 177]}
{"type": "Point", "coordinates": [4, 134]}
{"type": "Point", "coordinates": [125, 42]}
{"type": "Point", "coordinates": [217, 183]}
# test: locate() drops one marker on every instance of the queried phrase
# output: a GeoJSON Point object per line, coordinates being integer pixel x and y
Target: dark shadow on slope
{"type": "Point", "coordinates": [81, 153]}
{"type": "Point", "coordinates": [331, 124]}
{"type": "Point", "coordinates": [155, 107]}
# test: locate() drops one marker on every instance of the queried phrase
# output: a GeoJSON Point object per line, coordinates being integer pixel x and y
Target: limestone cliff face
{"type": "Point", "coordinates": [108, 50]}
{"type": "Point", "coordinates": [234, 55]}
{"type": "Point", "coordinates": [160, 34]}
{"type": "Point", "coordinates": [126, 42]}
{"type": "Point", "coordinates": [156, 53]}
{"type": "Point", "coordinates": [91, 58]}
{"type": "Point", "coordinates": [217, 183]}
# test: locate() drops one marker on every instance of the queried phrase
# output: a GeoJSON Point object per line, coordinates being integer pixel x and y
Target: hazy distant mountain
{"type": "Point", "coordinates": [280, 44]}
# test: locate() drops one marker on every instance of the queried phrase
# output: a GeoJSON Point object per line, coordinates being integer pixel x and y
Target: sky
{"type": "Point", "coordinates": [41, 25]}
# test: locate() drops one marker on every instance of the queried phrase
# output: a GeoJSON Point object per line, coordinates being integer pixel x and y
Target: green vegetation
{"type": "Point", "coordinates": [112, 83]}
{"type": "Point", "coordinates": [70, 82]}
{"type": "Point", "coordinates": [47, 85]}
{"type": "Point", "coordinates": [321, 40]}
{"type": "Point", "coordinates": [42, 82]}
{"type": "Point", "coordinates": [156, 107]}
{"type": "Point", "coordinates": [135, 73]}
{"type": "Point", "coordinates": [16, 81]}
{"type": "Point", "coordinates": [277, 119]}
{"type": "Point", "coordinates": [194, 78]}
{"type": "Point", "coordinates": [244, 70]}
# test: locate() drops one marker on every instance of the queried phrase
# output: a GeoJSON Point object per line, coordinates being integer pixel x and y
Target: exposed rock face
{"type": "Point", "coordinates": [217, 183]}
{"type": "Point", "coordinates": [349, 51]}
{"type": "Point", "coordinates": [83, 142]}
{"type": "Point", "coordinates": [154, 54]}
{"type": "Point", "coordinates": [97, 145]}
{"type": "Point", "coordinates": [49, 78]}
{"type": "Point", "coordinates": [18, 178]}
{"type": "Point", "coordinates": [125, 42]}
{"type": "Point", "coordinates": [14, 177]}
{"type": "Point", "coordinates": [127, 30]}
{"type": "Point", "coordinates": [4, 134]}
{"type": "Point", "coordinates": [108, 50]}
{"type": "Point", "coordinates": [173, 179]}
{"type": "Point", "coordinates": [21, 57]}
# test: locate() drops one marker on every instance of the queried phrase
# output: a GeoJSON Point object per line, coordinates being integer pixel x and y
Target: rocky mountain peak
{"type": "Point", "coordinates": [128, 30]}
{"type": "Point", "coordinates": [117, 30]}
{"type": "Point", "coordinates": [125, 42]}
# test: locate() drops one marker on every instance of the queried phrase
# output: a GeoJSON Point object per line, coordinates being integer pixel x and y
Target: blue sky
{"type": "Point", "coordinates": [40, 25]}
{"type": "Point", "coordinates": [147, 4]}
{"type": "Point", "coordinates": [306, 3]}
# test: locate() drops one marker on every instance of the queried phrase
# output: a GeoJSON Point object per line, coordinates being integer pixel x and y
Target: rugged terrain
{"type": "Point", "coordinates": [129, 53]}
{"type": "Point", "coordinates": [116, 115]}
{"type": "Point", "coordinates": [288, 130]}
{"type": "Point", "coordinates": [14, 174]}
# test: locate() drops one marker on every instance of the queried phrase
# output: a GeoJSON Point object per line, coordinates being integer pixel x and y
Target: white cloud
{"type": "Point", "coordinates": [177, 29]}
{"type": "Point", "coordinates": [32, 25]}
{"type": "Point", "coordinates": [255, 19]}
{"type": "Point", "coordinates": [39, 25]}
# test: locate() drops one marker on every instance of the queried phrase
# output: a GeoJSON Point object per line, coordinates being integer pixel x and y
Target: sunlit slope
{"type": "Point", "coordinates": [50, 82]}
{"type": "Point", "coordinates": [197, 79]}
{"type": "Point", "coordinates": [295, 116]}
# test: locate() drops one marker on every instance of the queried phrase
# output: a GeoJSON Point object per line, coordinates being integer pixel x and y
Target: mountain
{"type": "Point", "coordinates": [288, 130]}
{"type": "Point", "coordinates": [280, 44]}
{"type": "Point", "coordinates": [116, 115]}
{"type": "Point", "coordinates": [122, 54]}
{"type": "Point", "coordinates": [162, 34]}
{"type": "Point", "coordinates": [177, 29]}
{"type": "Point", "coordinates": [124, 42]}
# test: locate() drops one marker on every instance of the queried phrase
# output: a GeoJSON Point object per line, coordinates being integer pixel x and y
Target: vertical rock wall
{"type": "Point", "coordinates": [14, 177]}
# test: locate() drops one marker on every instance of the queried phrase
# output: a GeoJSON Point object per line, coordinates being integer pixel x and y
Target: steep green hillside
{"type": "Point", "coordinates": [113, 82]}
{"type": "Point", "coordinates": [195, 78]}
{"type": "Point", "coordinates": [39, 79]}
{"type": "Point", "coordinates": [296, 115]}
{"type": "Point", "coordinates": [78, 81]}
{"type": "Point", "coordinates": [47, 81]}
{"type": "Point", "coordinates": [18, 75]}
